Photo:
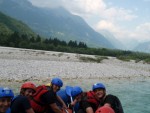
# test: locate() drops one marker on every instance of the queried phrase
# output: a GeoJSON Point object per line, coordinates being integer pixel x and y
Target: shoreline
{"type": "Point", "coordinates": [85, 83]}
{"type": "Point", "coordinates": [26, 65]}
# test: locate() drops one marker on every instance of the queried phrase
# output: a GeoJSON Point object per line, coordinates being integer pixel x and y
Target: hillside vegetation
{"type": "Point", "coordinates": [54, 44]}
{"type": "Point", "coordinates": [54, 22]}
{"type": "Point", "coordinates": [8, 25]}
{"type": "Point", "coordinates": [14, 33]}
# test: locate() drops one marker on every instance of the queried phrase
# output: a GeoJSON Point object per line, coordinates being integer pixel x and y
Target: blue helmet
{"type": "Point", "coordinates": [6, 92]}
{"type": "Point", "coordinates": [68, 90]}
{"type": "Point", "coordinates": [98, 86]}
{"type": "Point", "coordinates": [57, 81]}
{"type": "Point", "coordinates": [76, 90]}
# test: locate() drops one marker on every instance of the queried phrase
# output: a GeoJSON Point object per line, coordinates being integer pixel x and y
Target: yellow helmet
{"type": "Point", "coordinates": [48, 84]}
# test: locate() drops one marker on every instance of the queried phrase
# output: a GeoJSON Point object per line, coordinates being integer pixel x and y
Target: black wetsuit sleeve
{"type": "Point", "coordinates": [20, 105]}
{"type": "Point", "coordinates": [109, 99]}
{"type": "Point", "coordinates": [115, 103]}
{"type": "Point", "coordinates": [49, 98]}
{"type": "Point", "coordinates": [26, 103]}
{"type": "Point", "coordinates": [85, 105]}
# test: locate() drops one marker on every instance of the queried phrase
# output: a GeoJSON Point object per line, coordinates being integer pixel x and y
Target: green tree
{"type": "Point", "coordinates": [38, 38]}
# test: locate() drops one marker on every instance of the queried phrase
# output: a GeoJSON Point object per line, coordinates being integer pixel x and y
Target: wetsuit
{"type": "Point", "coordinates": [114, 102]}
{"type": "Point", "coordinates": [20, 104]}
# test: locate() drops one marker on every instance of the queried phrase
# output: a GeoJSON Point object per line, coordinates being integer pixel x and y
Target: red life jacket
{"type": "Point", "coordinates": [35, 102]}
{"type": "Point", "coordinates": [91, 98]}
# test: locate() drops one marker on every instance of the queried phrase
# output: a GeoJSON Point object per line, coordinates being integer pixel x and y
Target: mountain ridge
{"type": "Point", "coordinates": [9, 25]}
{"type": "Point", "coordinates": [143, 47]}
{"type": "Point", "coordinates": [54, 23]}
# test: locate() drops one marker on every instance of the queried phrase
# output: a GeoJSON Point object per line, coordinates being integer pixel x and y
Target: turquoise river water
{"type": "Point", "coordinates": [134, 93]}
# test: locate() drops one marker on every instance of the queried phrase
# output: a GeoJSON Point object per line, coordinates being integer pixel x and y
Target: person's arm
{"type": "Point", "coordinates": [86, 106]}
{"type": "Point", "coordinates": [74, 102]}
{"type": "Point", "coordinates": [89, 110]}
{"type": "Point", "coordinates": [114, 102]}
{"type": "Point", "coordinates": [55, 108]}
{"type": "Point", "coordinates": [61, 101]}
{"type": "Point", "coordinates": [30, 110]}
{"type": "Point", "coordinates": [107, 104]}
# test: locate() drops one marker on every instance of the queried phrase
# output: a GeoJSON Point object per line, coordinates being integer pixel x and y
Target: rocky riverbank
{"type": "Point", "coordinates": [19, 65]}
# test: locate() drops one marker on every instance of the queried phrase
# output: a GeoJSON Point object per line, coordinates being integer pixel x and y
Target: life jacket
{"type": "Point", "coordinates": [36, 103]}
{"type": "Point", "coordinates": [91, 98]}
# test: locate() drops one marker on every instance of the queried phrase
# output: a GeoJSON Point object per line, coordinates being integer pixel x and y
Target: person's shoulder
{"type": "Point", "coordinates": [21, 97]}
{"type": "Point", "coordinates": [112, 96]}
{"type": "Point", "coordinates": [117, 106]}
{"type": "Point", "coordinates": [61, 92]}
{"type": "Point", "coordinates": [49, 93]}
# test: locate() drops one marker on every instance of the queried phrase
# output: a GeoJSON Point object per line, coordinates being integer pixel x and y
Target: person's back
{"type": "Point", "coordinates": [20, 104]}
{"type": "Point", "coordinates": [114, 102]}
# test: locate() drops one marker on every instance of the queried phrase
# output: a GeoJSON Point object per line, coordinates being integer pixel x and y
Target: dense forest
{"type": "Point", "coordinates": [36, 42]}
{"type": "Point", "coordinates": [53, 44]}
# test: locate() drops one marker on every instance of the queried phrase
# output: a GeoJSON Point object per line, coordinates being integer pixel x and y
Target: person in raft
{"type": "Point", "coordinates": [90, 100]}
{"type": "Point", "coordinates": [6, 95]}
{"type": "Point", "coordinates": [21, 103]}
{"type": "Point", "coordinates": [107, 100]}
{"type": "Point", "coordinates": [96, 98]}
{"type": "Point", "coordinates": [59, 101]}
{"type": "Point", "coordinates": [45, 98]}
{"type": "Point", "coordinates": [71, 96]}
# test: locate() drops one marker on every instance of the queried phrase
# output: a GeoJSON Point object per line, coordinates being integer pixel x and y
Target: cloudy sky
{"type": "Point", "coordinates": [125, 19]}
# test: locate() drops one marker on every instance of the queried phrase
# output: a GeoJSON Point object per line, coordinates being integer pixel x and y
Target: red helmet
{"type": "Point", "coordinates": [29, 85]}
{"type": "Point", "coordinates": [105, 109]}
